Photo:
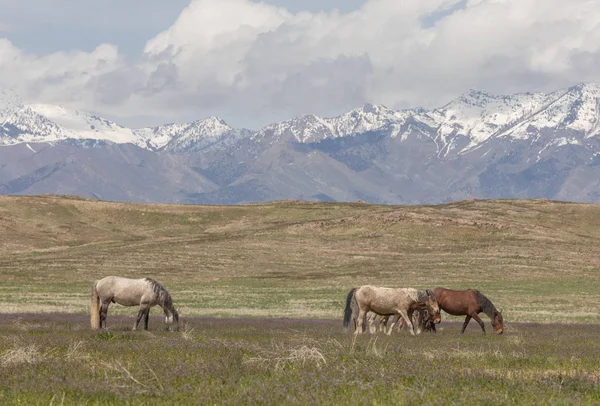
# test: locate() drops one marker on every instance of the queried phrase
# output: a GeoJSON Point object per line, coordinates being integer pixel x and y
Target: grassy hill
{"type": "Point", "coordinates": [536, 260]}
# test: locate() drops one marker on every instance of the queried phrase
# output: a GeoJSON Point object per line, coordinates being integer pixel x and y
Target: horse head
{"type": "Point", "coordinates": [433, 307]}
{"type": "Point", "coordinates": [171, 314]}
{"type": "Point", "coordinates": [498, 322]}
{"type": "Point", "coordinates": [172, 319]}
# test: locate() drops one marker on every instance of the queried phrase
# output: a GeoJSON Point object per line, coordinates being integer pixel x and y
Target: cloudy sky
{"type": "Point", "coordinates": [148, 62]}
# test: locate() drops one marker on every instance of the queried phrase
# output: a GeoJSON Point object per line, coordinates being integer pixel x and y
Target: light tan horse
{"type": "Point", "coordinates": [144, 292]}
{"type": "Point", "coordinates": [387, 302]}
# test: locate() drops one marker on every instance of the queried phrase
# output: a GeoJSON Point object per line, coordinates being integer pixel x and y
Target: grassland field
{"type": "Point", "coordinates": [261, 288]}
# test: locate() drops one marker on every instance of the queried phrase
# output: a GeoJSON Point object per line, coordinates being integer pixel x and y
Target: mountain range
{"type": "Point", "coordinates": [480, 145]}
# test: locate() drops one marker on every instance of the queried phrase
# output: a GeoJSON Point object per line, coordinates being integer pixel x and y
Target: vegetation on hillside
{"type": "Point", "coordinates": [537, 260]}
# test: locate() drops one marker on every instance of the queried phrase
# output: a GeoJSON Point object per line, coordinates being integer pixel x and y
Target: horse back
{"type": "Point", "coordinates": [125, 291]}
{"type": "Point", "coordinates": [382, 300]}
{"type": "Point", "coordinates": [457, 302]}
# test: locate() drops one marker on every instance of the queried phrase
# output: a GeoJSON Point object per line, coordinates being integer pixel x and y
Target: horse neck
{"type": "Point", "coordinates": [165, 302]}
{"type": "Point", "coordinates": [163, 298]}
{"type": "Point", "coordinates": [422, 297]}
{"type": "Point", "coordinates": [486, 305]}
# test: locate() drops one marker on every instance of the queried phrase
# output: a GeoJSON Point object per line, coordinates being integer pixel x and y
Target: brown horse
{"type": "Point", "coordinates": [388, 301]}
{"type": "Point", "coordinates": [469, 303]}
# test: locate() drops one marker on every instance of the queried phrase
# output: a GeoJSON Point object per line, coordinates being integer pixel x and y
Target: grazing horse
{"type": "Point", "coordinates": [469, 303]}
{"type": "Point", "coordinates": [144, 292]}
{"type": "Point", "coordinates": [388, 301]}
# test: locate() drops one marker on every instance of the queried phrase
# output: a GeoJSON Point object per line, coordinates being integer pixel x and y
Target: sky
{"type": "Point", "coordinates": [150, 62]}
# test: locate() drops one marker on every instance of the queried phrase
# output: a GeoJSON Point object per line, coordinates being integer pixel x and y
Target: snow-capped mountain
{"type": "Point", "coordinates": [311, 128]}
{"type": "Point", "coordinates": [22, 123]}
{"type": "Point", "coordinates": [479, 145]}
{"type": "Point", "coordinates": [191, 137]}
{"type": "Point", "coordinates": [577, 109]}
{"type": "Point", "coordinates": [80, 125]}
{"type": "Point", "coordinates": [475, 115]}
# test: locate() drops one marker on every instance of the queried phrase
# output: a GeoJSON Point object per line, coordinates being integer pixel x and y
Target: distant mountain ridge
{"type": "Point", "coordinates": [478, 145]}
{"type": "Point", "coordinates": [475, 115]}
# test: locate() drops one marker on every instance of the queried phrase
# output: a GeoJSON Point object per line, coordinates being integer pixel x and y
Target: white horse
{"type": "Point", "coordinates": [387, 302]}
{"type": "Point", "coordinates": [144, 292]}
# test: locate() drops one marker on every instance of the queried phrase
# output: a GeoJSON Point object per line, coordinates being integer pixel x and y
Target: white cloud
{"type": "Point", "coordinates": [253, 62]}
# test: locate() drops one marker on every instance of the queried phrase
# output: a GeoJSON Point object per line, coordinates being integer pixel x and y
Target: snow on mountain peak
{"type": "Point", "coordinates": [479, 115]}
{"type": "Point", "coordinates": [311, 128]}
{"type": "Point", "coordinates": [81, 125]}
{"type": "Point", "coordinates": [10, 104]}
{"type": "Point", "coordinates": [475, 115]}
{"type": "Point", "coordinates": [367, 118]}
{"type": "Point", "coordinates": [212, 127]}
{"type": "Point", "coordinates": [576, 108]}
{"type": "Point", "coordinates": [187, 137]}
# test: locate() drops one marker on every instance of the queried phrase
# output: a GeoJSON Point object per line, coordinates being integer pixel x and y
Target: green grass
{"type": "Point", "coordinates": [283, 270]}
{"type": "Point", "coordinates": [55, 359]}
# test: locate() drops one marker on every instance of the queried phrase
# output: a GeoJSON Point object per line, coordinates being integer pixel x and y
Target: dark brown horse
{"type": "Point", "coordinates": [469, 303]}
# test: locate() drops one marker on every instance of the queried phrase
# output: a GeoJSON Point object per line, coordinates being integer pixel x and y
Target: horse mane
{"type": "Point", "coordinates": [486, 305]}
{"type": "Point", "coordinates": [162, 295]}
{"type": "Point", "coordinates": [424, 295]}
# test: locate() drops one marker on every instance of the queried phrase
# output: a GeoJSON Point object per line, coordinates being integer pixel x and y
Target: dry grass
{"type": "Point", "coordinates": [282, 357]}
{"type": "Point", "coordinates": [75, 352]}
{"type": "Point", "coordinates": [537, 260]}
{"type": "Point", "coordinates": [29, 354]}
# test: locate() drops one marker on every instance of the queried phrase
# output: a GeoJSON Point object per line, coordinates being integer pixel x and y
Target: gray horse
{"type": "Point", "coordinates": [144, 292]}
{"type": "Point", "coordinates": [387, 302]}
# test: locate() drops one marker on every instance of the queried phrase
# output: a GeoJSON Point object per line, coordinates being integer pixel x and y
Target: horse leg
{"type": "Point", "coordinates": [464, 327]}
{"type": "Point", "coordinates": [372, 317]}
{"type": "Point", "coordinates": [413, 315]}
{"type": "Point", "coordinates": [397, 320]}
{"type": "Point", "coordinates": [393, 323]}
{"type": "Point", "coordinates": [140, 314]}
{"type": "Point", "coordinates": [146, 317]}
{"type": "Point", "coordinates": [103, 313]}
{"type": "Point", "coordinates": [417, 319]}
{"type": "Point", "coordinates": [478, 320]}
{"type": "Point", "coordinates": [407, 320]}
{"type": "Point", "coordinates": [383, 323]}
{"type": "Point", "coordinates": [359, 322]}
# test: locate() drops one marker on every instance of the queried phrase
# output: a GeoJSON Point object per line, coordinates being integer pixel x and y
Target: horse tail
{"type": "Point", "coordinates": [486, 304]}
{"type": "Point", "coordinates": [348, 309]}
{"type": "Point", "coordinates": [95, 308]}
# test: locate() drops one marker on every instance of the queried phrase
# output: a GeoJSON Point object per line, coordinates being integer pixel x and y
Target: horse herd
{"type": "Point", "coordinates": [418, 309]}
